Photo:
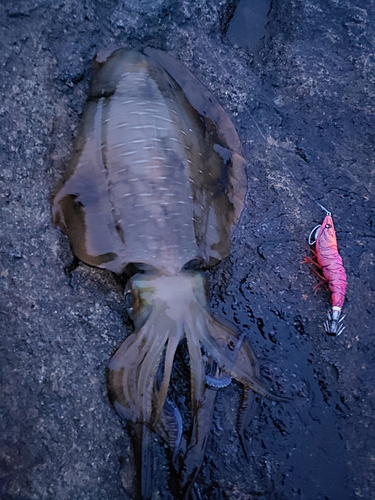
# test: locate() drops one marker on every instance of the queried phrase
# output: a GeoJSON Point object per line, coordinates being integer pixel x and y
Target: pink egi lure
{"type": "Point", "coordinates": [329, 259]}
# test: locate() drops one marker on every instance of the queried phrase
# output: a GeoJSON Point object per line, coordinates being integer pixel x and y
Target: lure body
{"type": "Point", "coordinates": [330, 261]}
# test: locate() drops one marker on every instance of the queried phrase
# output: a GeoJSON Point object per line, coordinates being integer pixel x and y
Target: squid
{"type": "Point", "coordinates": [154, 189]}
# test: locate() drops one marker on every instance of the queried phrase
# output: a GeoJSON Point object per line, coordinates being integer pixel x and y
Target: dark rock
{"type": "Point", "coordinates": [303, 105]}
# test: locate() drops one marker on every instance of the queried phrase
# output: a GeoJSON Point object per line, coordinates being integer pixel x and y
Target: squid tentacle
{"type": "Point", "coordinates": [146, 378]}
{"type": "Point", "coordinates": [169, 427]}
{"type": "Point", "coordinates": [140, 372]}
{"type": "Point", "coordinates": [136, 392]}
{"type": "Point", "coordinates": [211, 330]}
{"type": "Point", "coordinates": [197, 371]}
{"type": "Point", "coordinates": [173, 341]}
{"type": "Point", "coordinates": [132, 371]}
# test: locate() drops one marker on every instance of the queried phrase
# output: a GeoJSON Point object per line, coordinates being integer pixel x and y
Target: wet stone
{"type": "Point", "coordinates": [307, 83]}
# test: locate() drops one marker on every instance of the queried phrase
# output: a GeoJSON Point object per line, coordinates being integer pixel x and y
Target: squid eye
{"type": "Point", "coordinates": [328, 226]}
{"type": "Point", "coordinates": [129, 302]}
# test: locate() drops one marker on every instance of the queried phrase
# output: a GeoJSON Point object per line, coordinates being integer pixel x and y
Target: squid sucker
{"type": "Point", "coordinates": [155, 186]}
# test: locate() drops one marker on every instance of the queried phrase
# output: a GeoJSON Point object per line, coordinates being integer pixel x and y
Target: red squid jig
{"type": "Point", "coordinates": [330, 261]}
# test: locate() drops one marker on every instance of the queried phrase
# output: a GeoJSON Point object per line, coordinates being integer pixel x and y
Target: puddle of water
{"type": "Point", "coordinates": [248, 23]}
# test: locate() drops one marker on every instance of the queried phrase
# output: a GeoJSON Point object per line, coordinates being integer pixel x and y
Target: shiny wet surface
{"type": "Point", "coordinates": [309, 88]}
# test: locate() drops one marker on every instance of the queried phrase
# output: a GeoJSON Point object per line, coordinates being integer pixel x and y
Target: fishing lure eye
{"type": "Point", "coordinates": [328, 226]}
{"type": "Point", "coordinates": [314, 234]}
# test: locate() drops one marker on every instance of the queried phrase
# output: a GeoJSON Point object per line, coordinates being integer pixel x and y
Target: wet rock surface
{"type": "Point", "coordinates": [302, 102]}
